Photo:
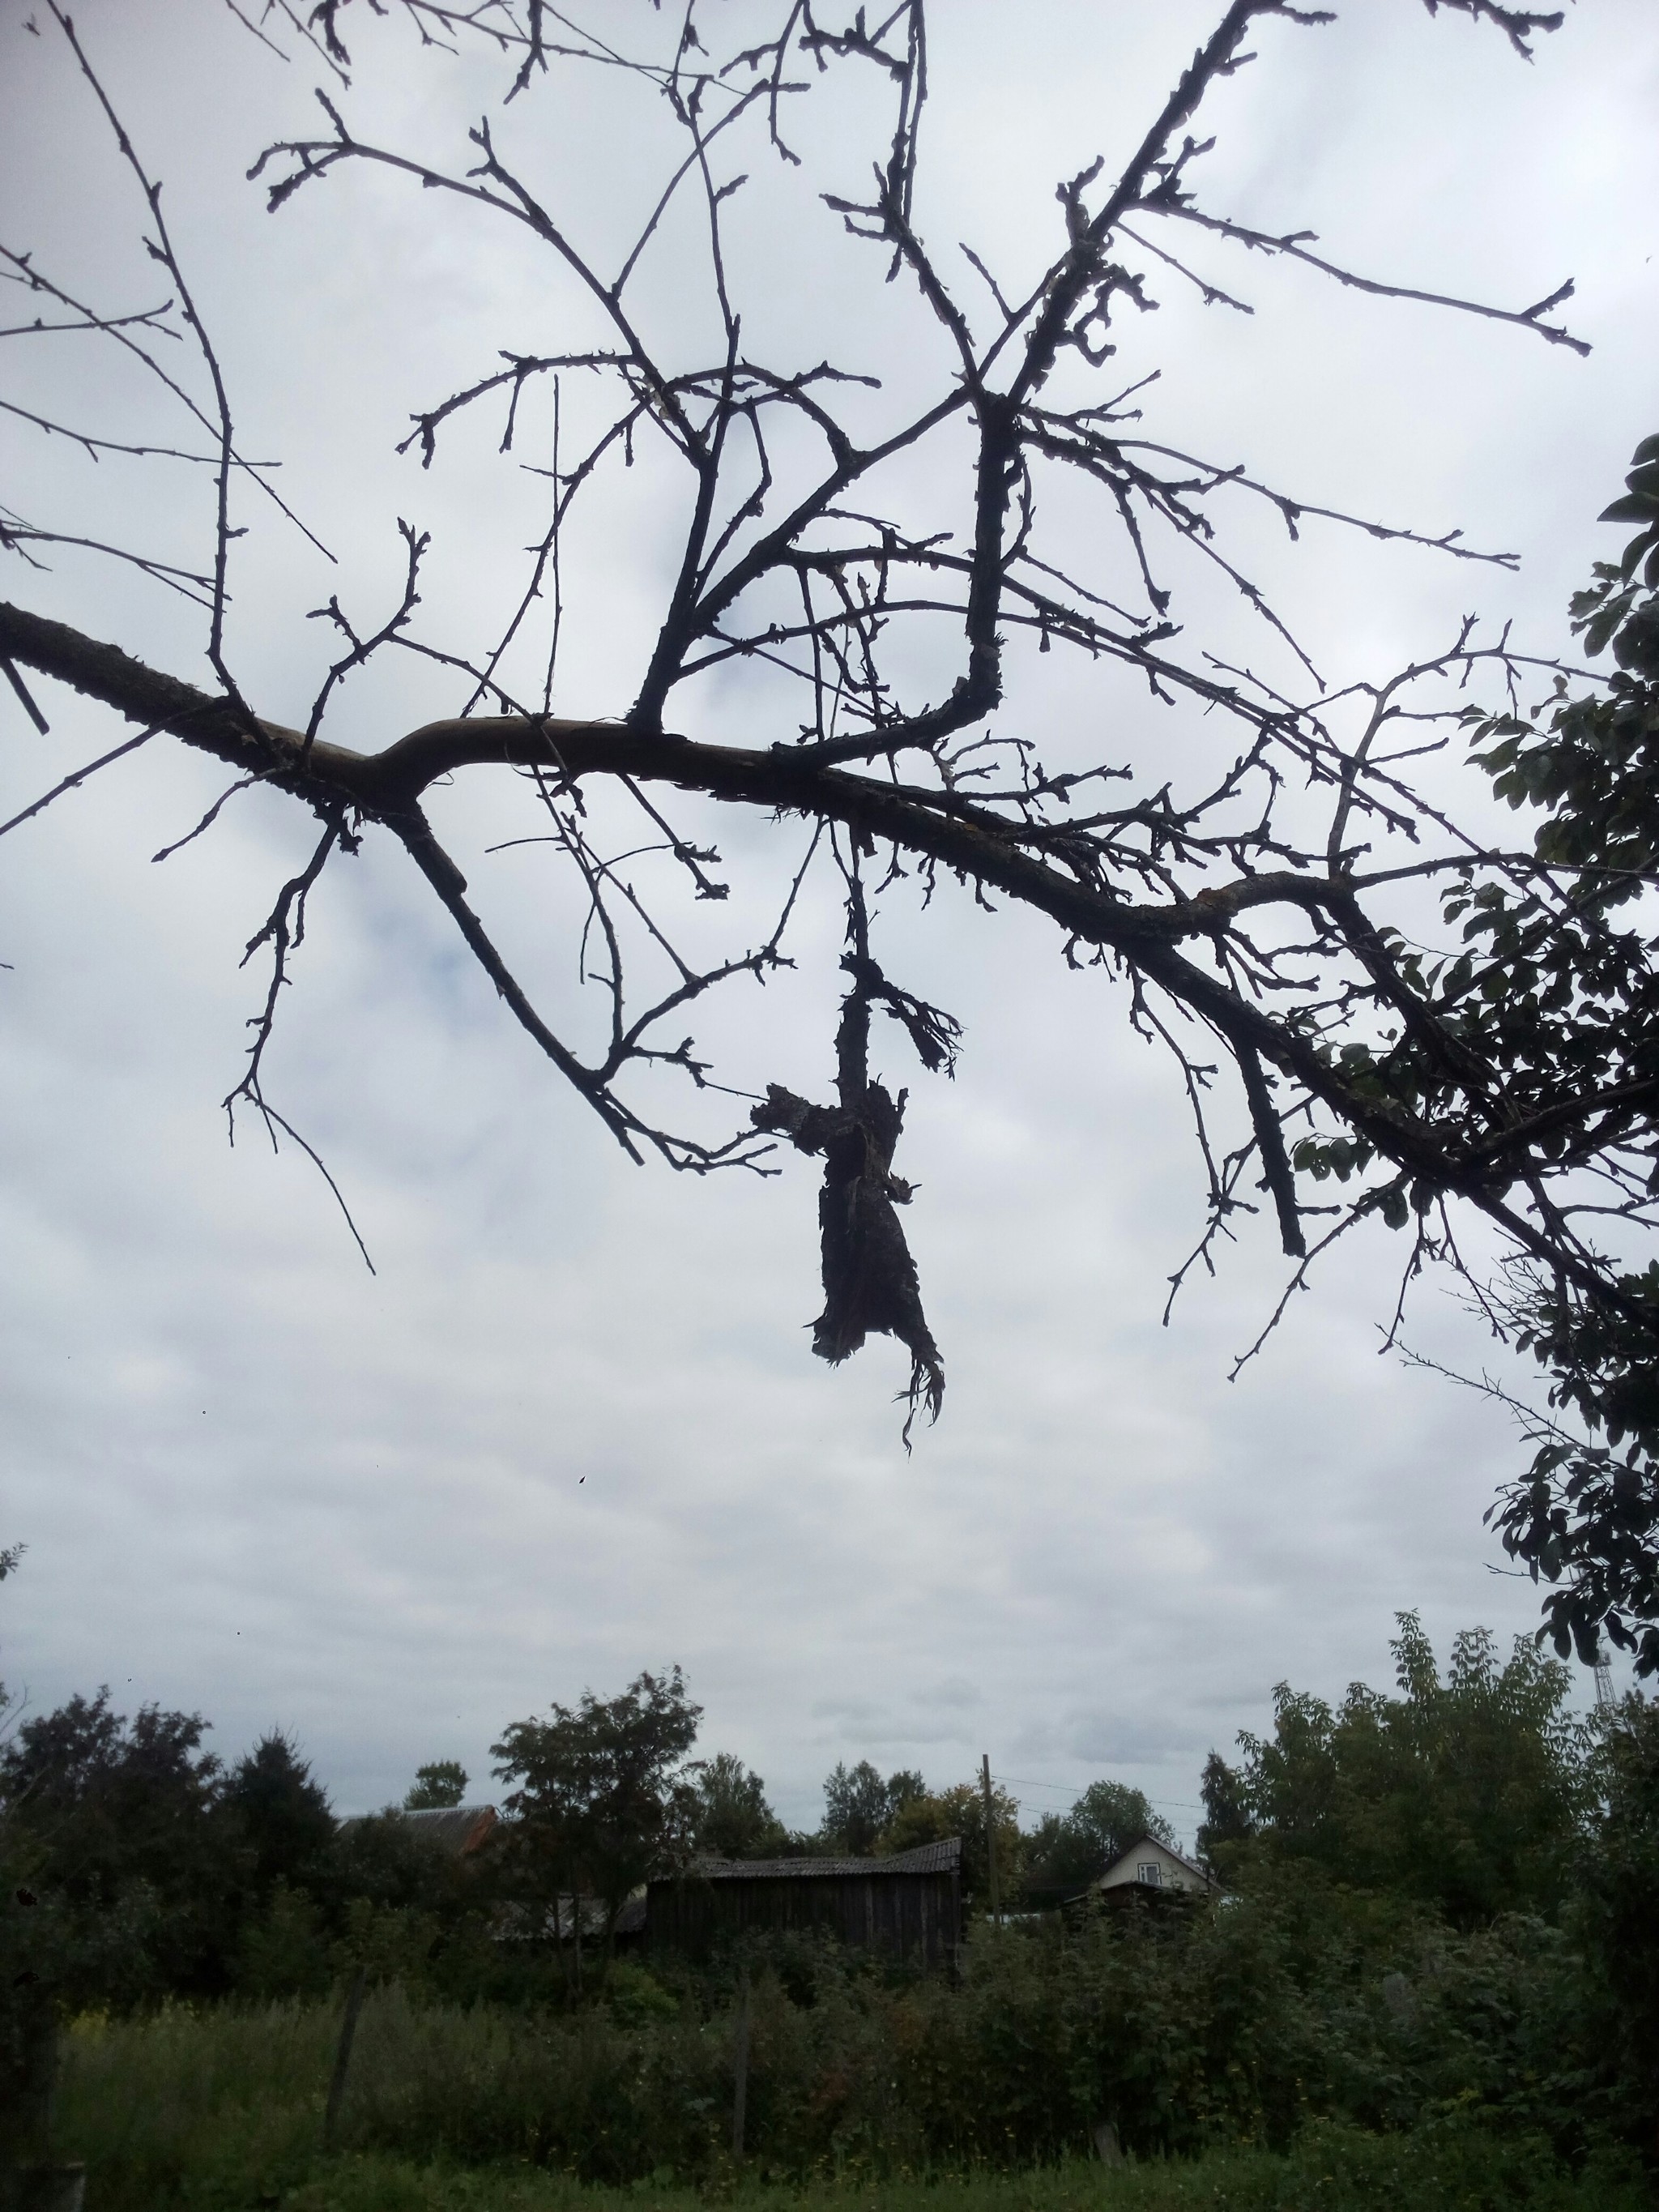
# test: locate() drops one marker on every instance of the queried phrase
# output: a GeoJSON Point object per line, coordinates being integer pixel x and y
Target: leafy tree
{"type": "Point", "coordinates": [1556, 992]}
{"type": "Point", "coordinates": [936, 1815]}
{"type": "Point", "coordinates": [903, 1788]}
{"type": "Point", "coordinates": [389, 1861]}
{"type": "Point", "coordinates": [1469, 1793]}
{"type": "Point", "coordinates": [857, 1805]}
{"type": "Point", "coordinates": [1070, 1849]}
{"type": "Point", "coordinates": [282, 1949]}
{"type": "Point", "coordinates": [116, 1798]}
{"type": "Point", "coordinates": [732, 1819]}
{"type": "Point", "coordinates": [1227, 1823]}
{"type": "Point", "coordinates": [441, 1783]}
{"type": "Point", "coordinates": [111, 1827]}
{"type": "Point", "coordinates": [1620, 1891]}
{"type": "Point", "coordinates": [121, 1807]}
{"type": "Point", "coordinates": [604, 1798]}
{"type": "Point", "coordinates": [279, 1816]}
{"type": "Point", "coordinates": [854, 585]}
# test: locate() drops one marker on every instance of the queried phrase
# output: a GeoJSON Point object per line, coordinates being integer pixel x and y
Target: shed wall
{"type": "Point", "coordinates": [914, 1917]}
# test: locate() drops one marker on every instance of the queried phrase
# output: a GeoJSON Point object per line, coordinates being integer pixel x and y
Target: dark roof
{"type": "Point", "coordinates": [926, 1858]}
{"type": "Point", "coordinates": [457, 1828]}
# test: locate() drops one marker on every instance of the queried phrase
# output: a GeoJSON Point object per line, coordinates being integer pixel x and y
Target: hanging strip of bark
{"type": "Point", "coordinates": [869, 1280]}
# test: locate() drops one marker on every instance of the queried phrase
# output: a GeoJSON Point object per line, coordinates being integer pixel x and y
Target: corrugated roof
{"type": "Point", "coordinates": [928, 1858]}
{"type": "Point", "coordinates": [457, 1828]}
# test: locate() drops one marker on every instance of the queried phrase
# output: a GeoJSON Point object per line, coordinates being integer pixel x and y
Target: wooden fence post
{"type": "Point", "coordinates": [354, 2005]}
{"type": "Point", "coordinates": [740, 2069]}
{"type": "Point", "coordinates": [1108, 2149]}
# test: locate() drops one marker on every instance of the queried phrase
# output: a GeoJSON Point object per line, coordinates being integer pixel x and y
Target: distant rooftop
{"type": "Point", "coordinates": [459, 1829]}
{"type": "Point", "coordinates": [928, 1858]}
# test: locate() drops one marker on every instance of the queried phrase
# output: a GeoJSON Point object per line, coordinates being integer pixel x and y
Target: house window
{"type": "Point", "coordinates": [1152, 1873]}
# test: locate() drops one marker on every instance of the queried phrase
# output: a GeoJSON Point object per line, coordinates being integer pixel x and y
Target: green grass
{"type": "Point", "coordinates": [222, 2112]}
{"type": "Point", "coordinates": [1330, 2170]}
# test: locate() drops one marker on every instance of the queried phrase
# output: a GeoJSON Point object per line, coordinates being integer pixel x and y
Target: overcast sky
{"type": "Point", "coordinates": [571, 1427]}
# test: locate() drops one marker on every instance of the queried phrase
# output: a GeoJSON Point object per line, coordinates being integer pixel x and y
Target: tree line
{"type": "Point", "coordinates": [1438, 1899]}
{"type": "Point", "coordinates": [140, 1866]}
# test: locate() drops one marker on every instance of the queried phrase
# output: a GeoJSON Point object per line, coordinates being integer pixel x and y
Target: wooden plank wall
{"type": "Point", "coordinates": [914, 1918]}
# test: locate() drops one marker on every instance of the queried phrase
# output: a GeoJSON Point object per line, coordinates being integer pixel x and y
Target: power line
{"type": "Point", "coordinates": [1071, 1789]}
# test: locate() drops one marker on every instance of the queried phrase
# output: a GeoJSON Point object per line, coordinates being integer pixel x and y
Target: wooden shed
{"type": "Point", "coordinates": [907, 1907]}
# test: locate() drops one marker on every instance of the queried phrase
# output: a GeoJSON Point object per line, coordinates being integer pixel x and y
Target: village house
{"type": "Point", "coordinates": [1149, 1865]}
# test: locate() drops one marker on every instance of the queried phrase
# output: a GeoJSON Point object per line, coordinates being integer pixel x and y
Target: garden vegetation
{"type": "Point", "coordinates": [1432, 1976]}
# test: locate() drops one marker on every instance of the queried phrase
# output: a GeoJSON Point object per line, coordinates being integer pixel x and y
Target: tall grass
{"type": "Point", "coordinates": [451, 2109]}
{"type": "Point", "coordinates": [224, 2106]}
{"type": "Point", "coordinates": [1334, 2169]}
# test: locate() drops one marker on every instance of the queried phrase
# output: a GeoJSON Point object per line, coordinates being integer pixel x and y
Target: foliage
{"type": "Point", "coordinates": [279, 1816]}
{"type": "Point", "coordinates": [1469, 1794]}
{"type": "Point", "coordinates": [110, 1796]}
{"type": "Point", "coordinates": [1256, 2025]}
{"type": "Point", "coordinates": [1070, 1849]}
{"type": "Point", "coordinates": [1585, 1518]}
{"type": "Point", "coordinates": [224, 2102]}
{"type": "Point", "coordinates": [1227, 1820]}
{"type": "Point", "coordinates": [284, 1949]}
{"type": "Point", "coordinates": [858, 1805]}
{"type": "Point", "coordinates": [603, 1800]}
{"type": "Point", "coordinates": [1438, 1928]}
{"type": "Point", "coordinates": [1620, 1891]}
{"type": "Point", "coordinates": [1558, 983]}
{"type": "Point", "coordinates": [936, 1815]}
{"type": "Point", "coordinates": [441, 1783]}
{"type": "Point", "coordinates": [150, 1873]}
{"type": "Point", "coordinates": [1335, 2170]}
{"type": "Point", "coordinates": [635, 1997]}
{"type": "Point", "coordinates": [133, 1872]}
{"type": "Point", "coordinates": [732, 1819]}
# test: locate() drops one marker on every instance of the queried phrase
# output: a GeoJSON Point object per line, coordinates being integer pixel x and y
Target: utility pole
{"type": "Point", "coordinates": [991, 1837]}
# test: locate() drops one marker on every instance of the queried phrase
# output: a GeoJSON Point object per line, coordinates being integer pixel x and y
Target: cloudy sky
{"type": "Point", "coordinates": [571, 1427]}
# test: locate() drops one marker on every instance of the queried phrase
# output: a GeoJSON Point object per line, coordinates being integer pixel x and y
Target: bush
{"type": "Point", "coordinates": [1246, 2027]}
{"type": "Point", "coordinates": [223, 2105]}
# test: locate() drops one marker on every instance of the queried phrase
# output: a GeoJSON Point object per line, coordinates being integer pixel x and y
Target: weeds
{"type": "Point", "coordinates": [862, 2099]}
